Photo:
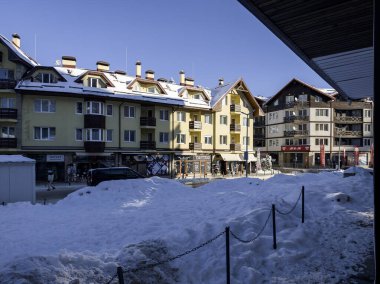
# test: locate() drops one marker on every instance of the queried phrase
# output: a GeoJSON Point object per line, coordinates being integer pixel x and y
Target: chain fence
{"type": "Point", "coordinates": [294, 206]}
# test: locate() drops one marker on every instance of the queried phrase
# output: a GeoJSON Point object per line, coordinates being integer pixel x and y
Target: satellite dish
{"type": "Point", "coordinates": [295, 99]}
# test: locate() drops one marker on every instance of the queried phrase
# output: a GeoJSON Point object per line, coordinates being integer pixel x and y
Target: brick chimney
{"type": "Point", "coordinates": [69, 62]}
{"type": "Point", "coordinates": [149, 74]}
{"type": "Point", "coordinates": [182, 78]}
{"type": "Point", "coordinates": [102, 66]}
{"type": "Point", "coordinates": [16, 40]}
{"type": "Point", "coordinates": [138, 69]}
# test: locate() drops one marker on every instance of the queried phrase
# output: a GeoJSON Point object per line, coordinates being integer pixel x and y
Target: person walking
{"type": "Point", "coordinates": [50, 180]}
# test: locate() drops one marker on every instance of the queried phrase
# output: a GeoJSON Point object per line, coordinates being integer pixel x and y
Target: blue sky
{"type": "Point", "coordinates": [208, 39]}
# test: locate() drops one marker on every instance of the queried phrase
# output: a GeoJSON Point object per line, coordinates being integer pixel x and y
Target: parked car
{"type": "Point", "coordinates": [95, 176]}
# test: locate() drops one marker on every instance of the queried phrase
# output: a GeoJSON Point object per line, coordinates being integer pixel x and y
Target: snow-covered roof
{"type": "Point", "coordinates": [15, 159]}
{"type": "Point", "coordinates": [218, 92]}
{"type": "Point", "coordinates": [119, 88]}
{"type": "Point", "coordinates": [21, 54]}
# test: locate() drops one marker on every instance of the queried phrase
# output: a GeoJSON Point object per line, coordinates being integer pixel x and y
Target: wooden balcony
{"type": "Point", "coordinates": [292, 133]}
{"type": "Point", "coordinates": [8, 142]}
{"type": "Point", "coordinates": [297, 104]}
{"type": "Point", "coordinates": [195, 125]}
{"type": "Point", "coordinates": [8, 113]}
{"type": "Point", "coordinates": [7, 84]}
{"type": "Point", "coordinates": [94, 121]}
{"type": "Point", "coordinates": [147, 145]}
{"type": "Point", "coordinates": [235, 108]}
{"type": "Point", "coordinates": [348, 133]}
{"type": "Point", "coordinates": [348, 119]}
{"type": "Point", "coordinates": [235, 127]}
{"type": "Point", "coordinates": [296, 118]}
{"type": "Point", "coordinates": [195, 146]}
{"type": "Point", "coordinates": [235, 147]}
{"type": "Point", "coordinates": [146, 121]}
{"type": "Point", "coordinates": [94, 146]}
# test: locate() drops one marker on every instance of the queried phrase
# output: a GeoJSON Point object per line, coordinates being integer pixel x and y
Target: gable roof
{"type": "Point", "coordinates": [36, 68]}
{"type": "Point", "coordinates": [146, 81]}
{"type": "Point", "coordinates": [190, 88]}
{"type": "Point", "coordinates": [219, 92]}
{"type": "Point", "coordinates": [94, 73]}
{"type": "Point", "coordinates": [304, 84]}
{"type": "Point", "coordinates": [18, 54]}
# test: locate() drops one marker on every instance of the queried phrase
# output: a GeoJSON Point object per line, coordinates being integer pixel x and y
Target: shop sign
{"type": "Point", "coordinates": [55, 158]}
{"type": "Point", "coordinates": [301, 148]}
{"type": "Point", "coordinates": [322, 155]}
{"type": "Point", "coordinates": [203, 157]}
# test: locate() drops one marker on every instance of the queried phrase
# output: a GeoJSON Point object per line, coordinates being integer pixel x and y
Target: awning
{"type": "Point", "coordinates": [84, 154]}
{"type": "Point", "coordinates": [251, 158]}
{"type": "Point", "coordinates": [231, 157]}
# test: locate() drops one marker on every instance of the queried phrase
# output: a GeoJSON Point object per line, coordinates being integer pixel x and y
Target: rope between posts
{"type": "Point", "coordinates": [291, 210]}
{"type": "Point", "coordinates": [258, 235]}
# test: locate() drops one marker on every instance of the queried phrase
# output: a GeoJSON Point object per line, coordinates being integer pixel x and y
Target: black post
{"type": "Point", "coordinates": [120, 275]}
{"type": "Point", "coordinates": [303, 204]}
{"type": "Point", "coordinates": [44, 201]}
{"type": "Point", "coordinates": [274, 226]}
{"type": "Point", "coordinates": [228, 254]}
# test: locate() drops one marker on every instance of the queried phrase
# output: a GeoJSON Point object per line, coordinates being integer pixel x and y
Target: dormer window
{"type": "Point", "coordinates": [275, 103]}
{"type": "Point", "coordinates": [197, 96]}
{"type": "Point", "coordinates": [136, 88]}
{"type": "Point", "coordinates": [46, 78]}
{"type": "Point", "coordinates": [93, 82]}
{"type": "Point", "coordinates": [152, 90]}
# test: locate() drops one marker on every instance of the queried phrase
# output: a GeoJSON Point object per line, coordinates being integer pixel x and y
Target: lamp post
{"type": "Point", "coordinates": [246, 147]}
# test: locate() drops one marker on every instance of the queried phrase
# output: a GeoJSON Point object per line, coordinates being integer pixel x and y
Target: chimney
{"type": "Point", "coordinates": [138, 69]}
{"type": "Point", "coordinates": [221, 81]}
{"type": "Point", "coordinates": [102, 66]}
{"type": "Point", "coordinates": [16, 40]}
{"type": "Point", "coordinates": [120, 72]}
{"type": "Point", "coordinates": [182, 78]}
{"type": "Point", "coordinates": [69, 62]}
{"type": "Point", "coordinates": [149, 74]}
{"type": "Point", "coordinates": [189, 81]}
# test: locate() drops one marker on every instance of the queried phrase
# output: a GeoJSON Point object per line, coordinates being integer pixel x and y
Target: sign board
{"type": "Point", "coordinates": [55, 158]}
{"type": "Point", "coordinates": [356, 155]}
{"type": "Point", "coordinates": [302, 148]}
{"type": "Point", "coordinates": [203, 157]}
{"type": "Point", "coordinates": [245, 155]}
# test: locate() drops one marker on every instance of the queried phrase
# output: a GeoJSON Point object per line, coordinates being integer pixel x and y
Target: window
{"type": "Point", "coordinates": [275, 103]}
{"type": "Point", "coordinates": [223, 119]}
{"type": "Point", "coordinates": [320, 141]}
{"type": "Point", "coordinates": [129, 135]}
{"type": "Point", "coordinates": [321, 127]}
{"type": "Point", "coordinates": [367, 113]}
{"type": "Point", "coordinates": [129, 111]}
{"type": "Point", "coordinates": [181, 138]}
{"type": "Point", "coordinates": [8, 103]}
{"type": "Point", "coordinates": [109, 135]}
{"type": "Point", "coordinates": [95, 108]}
{"type": "Point", "coordinates": [317, 99]}
{"type": "Point", "coordinates": [44, 105]}
{"type": "Point", "coordinates": [197, 96]}
{"type": "Point", "coordinates": [93, 82]}
{"type": "Point", "coordinates": [164, 137]}
{"type": "Point", "coordinates": [79, 108]}
{"type": "Point", "coordinates": [7, 132]}
{"type": "Point", "coordinates": [94, 134]}
{"type": "Point", "coordinates": [44, 133]}
{"type": "Point", "coordinates": [245, 140]}
{"type": "Point", "coordinates": [289, 99]}
{"type": "Point", "coordinates": [152, 90]}
{"type": "Point", "coordinates": [164, 114]}
{"type": "Point", "coordinates": [208, 140]}
{"type": "Point", "coordinates": [302, 98]}
{"type": "Point", "coordinates": [367, 142]}
{"type": "Point", "coordinates": [302, 127]}
{"type": "Point", "coordinates": [302, 141]}
{"type": "Point", "coordinates": [302, 112]}
{"type": "Point", "coordinates": [208, 118]}
{"type": "Point", "coordinates": [47, 78]}
{"type": "Point", "coordinates": [288, 113]}
{"type": "Point", "coordinates": [79, 134]}
{"type": "Point", "coordinates": [223, 139]}
{"type": "Point", "coordinates": [322, 112]}
{"type": "Point", "coordinates": [288, 141]}
{"type": "Point", "coordinates": [367, 127]}
{"type": "Point", "coordinates": [181, 116]}
{"type": "Point", "coordinates": [109, 110]}
{"type": "Point", "coordinates": [245, 121]}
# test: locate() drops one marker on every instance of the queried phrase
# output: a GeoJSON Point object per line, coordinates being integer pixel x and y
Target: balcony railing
{"type": "Point", "coordinates": [195, 146]}
{"type": "Point", "coordinates": [8, 113]}
{"type": "Point", "coordinates": [349, 119]}
{"type": "Point", "coordinates": [348, 133]}
{"type": "Point", "coordinates": [7, 84]}
{"type": "Point", "coordinates": [94, 146]}
{"type": "Point", "coordinates": [147, 121]}
{"type": "Point", "coordinates": [235, 147]}
{"type": "Point", "coordinates": [195, 125]}
{"type": "Point", "coordinates": [235, 108]}
{"type": "Point", "coordinates": [259, 135]}
{"type": "Point", "coordinates": [235, 127]}
{"type": "Point", "coordinates": [8, 142]}
{"type": "Point", "coordinates": [94, 121]}
{"type": "Point", "coordinates": [291, 133]}
{"type": "Point", "coordinates": [147, 145]}
{"type": "Point", "coordinates": [297, 104]}
{"type": "Point", "coordinates": [293, 118]}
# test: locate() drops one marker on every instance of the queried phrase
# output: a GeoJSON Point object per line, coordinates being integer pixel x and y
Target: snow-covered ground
{"type": "Point", "coordinates": [137, 222]}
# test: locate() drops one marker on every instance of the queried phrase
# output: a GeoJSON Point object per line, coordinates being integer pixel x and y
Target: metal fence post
{"type": "Point", "coordinates": [120, 275]}
{"type": "Point", "coordinates": [228, 254]}
{"type": "Point", "coordinates": [303, 204]}
{"type": "Point", "coordinates": [274, 226]}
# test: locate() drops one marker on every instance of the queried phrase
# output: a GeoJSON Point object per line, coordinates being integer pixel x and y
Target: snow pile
{"type": "Point", "coordinates": [135, 223]}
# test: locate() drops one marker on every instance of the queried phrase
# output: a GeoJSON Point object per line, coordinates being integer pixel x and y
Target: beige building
{"type": "Point", "coordinates": [94, 118]}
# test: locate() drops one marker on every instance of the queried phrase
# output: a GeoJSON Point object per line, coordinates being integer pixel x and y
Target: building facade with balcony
{"type": "Point", "coordinates": [311, 127]}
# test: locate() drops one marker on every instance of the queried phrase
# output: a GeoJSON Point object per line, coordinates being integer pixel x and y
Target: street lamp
{"type": "Point", "coordinates": [246, 144]}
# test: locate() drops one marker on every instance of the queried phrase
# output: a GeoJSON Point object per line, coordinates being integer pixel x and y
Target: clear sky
{"type": "Point", "coordinates": [208, 39]}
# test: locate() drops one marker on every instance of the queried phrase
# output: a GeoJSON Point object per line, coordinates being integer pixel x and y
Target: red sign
{"type": "Point", "coordinates": [371, 156]}
{"type": "Point", "coordinates": [356, 155]}
{"type": "Point", "coordinates": [322, 155]}
{"type": "Point", "coordinates": [302, 148]}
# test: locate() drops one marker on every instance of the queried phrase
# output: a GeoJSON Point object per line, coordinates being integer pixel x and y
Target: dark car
{"type": "Point", "coordinates": [95, 176]}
